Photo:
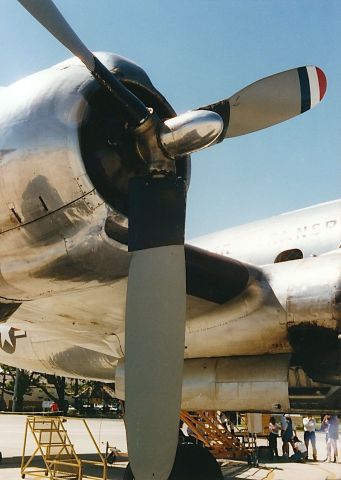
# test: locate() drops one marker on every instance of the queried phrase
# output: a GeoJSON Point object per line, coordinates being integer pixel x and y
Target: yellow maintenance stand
{"type": "Point", "coordinates": [57, 452]}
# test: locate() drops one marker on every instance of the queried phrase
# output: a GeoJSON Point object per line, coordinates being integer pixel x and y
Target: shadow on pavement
{"type": "Point", "coordinates": [114, 472]}
{"type": "Point", "coordinates": [236, 470]}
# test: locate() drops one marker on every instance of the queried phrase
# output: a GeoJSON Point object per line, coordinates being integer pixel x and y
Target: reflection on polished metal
{"type": "Point", "coordinates": [148, 147]}
{"type": "Point", "coordinates": [190, 132]}
{"type": "Point", "coordinates": [249, 383]}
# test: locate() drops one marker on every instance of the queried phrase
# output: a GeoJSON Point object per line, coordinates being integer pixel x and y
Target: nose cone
{"type": "Point", "coordinates": [190, 132]}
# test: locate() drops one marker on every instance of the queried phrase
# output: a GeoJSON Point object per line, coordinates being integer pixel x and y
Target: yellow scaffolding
{"type": "Point", "coordinates": [58, 454]}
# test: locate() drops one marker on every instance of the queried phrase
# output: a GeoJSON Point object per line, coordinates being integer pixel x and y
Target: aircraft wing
{"type": "Point", "coordinates": [236, 321]}
{"type": "Point", "coordinates": [93, 318]}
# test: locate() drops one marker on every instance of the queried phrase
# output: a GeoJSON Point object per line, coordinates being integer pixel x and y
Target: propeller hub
{"type": "Point", "coordinates": [148, 147]}
{"type": "Point", "coordinates": [159, 144]}
{"type": "Point", "coordinates": [190, 132]}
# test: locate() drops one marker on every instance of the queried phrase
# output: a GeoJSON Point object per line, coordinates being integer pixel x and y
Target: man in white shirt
{"type": "Point", "coordinates": [309, 425]}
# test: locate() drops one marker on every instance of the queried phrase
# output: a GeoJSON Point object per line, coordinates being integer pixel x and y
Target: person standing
{"type": "Point", "coordinates": [54, 408]}
{"type": "Point", "coordinates": [333, 434]}
{"type": "Point", "coordinates": [309, 425]}
{"type": "Point", "coordinates": [287, 433]}
{"type": "Point", "coordinates": [273, 435]}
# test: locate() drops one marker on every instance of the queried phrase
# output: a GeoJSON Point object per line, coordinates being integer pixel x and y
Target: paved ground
{"type": "Point", "coordinates": [12, 437]}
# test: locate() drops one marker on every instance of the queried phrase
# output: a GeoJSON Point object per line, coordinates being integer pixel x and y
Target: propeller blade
{"type": "Point", "coordinates": [50, 17]}
{"type": "Point", "coordinates": [155, 323]}
{"type": "Point", "coordinates": [270, 100]}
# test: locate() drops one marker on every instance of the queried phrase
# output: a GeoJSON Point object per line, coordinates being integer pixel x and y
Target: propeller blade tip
{"type": "Point", "coordinates": [322, 80]}
{"type": "Point", "coordinates": [313, 85]}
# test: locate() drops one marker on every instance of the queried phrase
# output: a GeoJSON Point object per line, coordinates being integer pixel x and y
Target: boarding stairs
{"type": "Point", "coordinates": [59, 457]}
{"type": "Point", "coordinates": [225, 441]}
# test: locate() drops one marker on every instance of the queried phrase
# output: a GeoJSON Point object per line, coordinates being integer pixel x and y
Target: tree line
{"type": "Point", "coordinates": [17, 383]}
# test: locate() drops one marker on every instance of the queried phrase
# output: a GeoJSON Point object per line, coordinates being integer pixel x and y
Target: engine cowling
{"type": "Point", "coordinates": [66, 159]}
{"type": "Point", "coordinates": [249, 383]}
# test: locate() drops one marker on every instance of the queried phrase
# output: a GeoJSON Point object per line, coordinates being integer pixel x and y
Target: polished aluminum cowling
{"type": "Point", "coordinates": [65, 162]}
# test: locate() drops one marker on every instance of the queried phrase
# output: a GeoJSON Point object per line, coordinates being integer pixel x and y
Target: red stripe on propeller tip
{"type": "Point", "coordinates": [322, 82]}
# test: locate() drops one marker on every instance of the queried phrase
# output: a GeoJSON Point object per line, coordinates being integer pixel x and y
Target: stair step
{"type": "Point", "coordinates": [205, 426]}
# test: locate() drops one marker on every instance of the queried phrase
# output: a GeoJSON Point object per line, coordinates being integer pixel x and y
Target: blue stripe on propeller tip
{"type": "Point", "coordinates": [305, 89]}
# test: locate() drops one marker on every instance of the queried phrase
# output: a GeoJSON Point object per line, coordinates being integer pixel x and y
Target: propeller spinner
{"type": "Point", "coordinates": [156, 296]}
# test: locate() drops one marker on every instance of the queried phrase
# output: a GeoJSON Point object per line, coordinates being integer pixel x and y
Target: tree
{"type": "Point", "coordinates": [26, 380]}
{"type": "Point", "coordinates": [23, 385]}
{"type": "Point", "coordinates": [82, 391]}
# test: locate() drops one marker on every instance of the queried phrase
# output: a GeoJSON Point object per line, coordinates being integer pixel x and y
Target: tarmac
{"type": "Point", "coordinates": [12, 429]}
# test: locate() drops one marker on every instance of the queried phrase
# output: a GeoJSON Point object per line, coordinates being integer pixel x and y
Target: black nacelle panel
{"type": "Point", "coordinates": [213, 277]}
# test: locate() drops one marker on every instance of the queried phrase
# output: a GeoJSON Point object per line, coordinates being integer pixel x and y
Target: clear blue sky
{"type": "Point", "coordinates": [200, 51]}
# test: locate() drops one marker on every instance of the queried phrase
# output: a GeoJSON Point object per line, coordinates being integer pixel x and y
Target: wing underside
{"type": "Point", "coordinates": [62, 330]}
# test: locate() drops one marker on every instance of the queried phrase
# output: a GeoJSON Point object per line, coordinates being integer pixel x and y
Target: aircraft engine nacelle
{"type": "Point", "coordinates": [310, 292]}
{"type": "Point", "coordinates": [66, 157]}
{"type": "Point", "coordinates": [250, 383]}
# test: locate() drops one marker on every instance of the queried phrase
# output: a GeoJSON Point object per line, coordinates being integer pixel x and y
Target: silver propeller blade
{"type": "Point", "coordinates": [270, 100]}
{"type": "Point", "coordinates": [155, 331]}
{"type": "Point", "coordinates": [155, 325]}
{"type": "Point", "coordinates": [50, 17]}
